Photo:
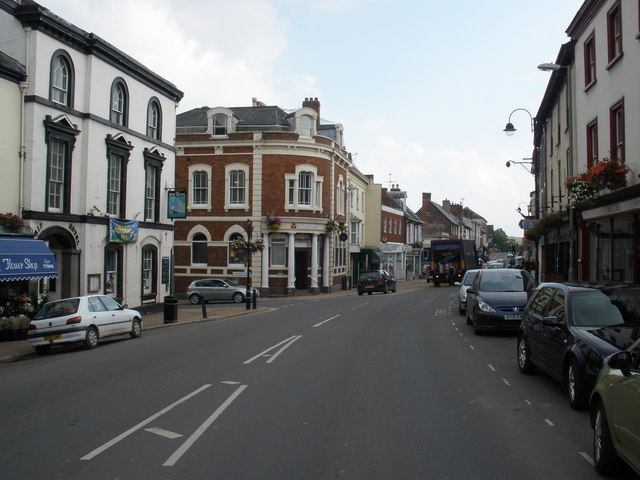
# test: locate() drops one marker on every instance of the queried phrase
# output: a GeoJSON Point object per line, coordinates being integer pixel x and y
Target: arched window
{"type": "Point", "coordinates": [119, 103]}
{"type": "Point", "coordinates": [236, 257]}
{"type": "Point", "coordinates": [61, 79]}
{"type": "Point", "coordinates": [199, 248]}
{"type": "Point", "coordinates": [149, 271]}
{"type": "Point", "coordinates": [154, 120]}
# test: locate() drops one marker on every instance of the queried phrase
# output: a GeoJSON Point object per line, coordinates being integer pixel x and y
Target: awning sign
{"type": "Point", "coordinates": [123, 231]}
{"type": "Point", "coordinates": [25, 258]}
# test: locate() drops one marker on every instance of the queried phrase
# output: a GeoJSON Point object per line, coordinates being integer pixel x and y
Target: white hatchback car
{"type": "Point", "coordinates": [82, 319]}
{"type": "Point", "coordinates": [468, 277]}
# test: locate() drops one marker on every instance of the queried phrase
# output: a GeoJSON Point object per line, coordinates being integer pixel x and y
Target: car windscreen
{"type": "Point", "coordinates": [593, 309]}
{"type": "Point", "coordinates": [58, 309]}
{"type": "Point", "coordinates": [468, 278]}
{"type": "Point", "coordinates": [502, 282]}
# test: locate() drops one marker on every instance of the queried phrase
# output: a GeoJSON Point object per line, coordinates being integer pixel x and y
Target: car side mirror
{"type": "Point", "coordinates": [472, 290]}
{"type": "Point", "coordinates": [621, 361]}
{"type": "Point", "coordinates": [552, 321]}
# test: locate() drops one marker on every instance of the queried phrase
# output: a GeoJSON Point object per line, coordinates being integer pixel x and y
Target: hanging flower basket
{"type": "Point", "coordinates": [582, 190]}
{"type": "Point", "coordinates": [251, 246]}
{"type": "Point", "coordinates": [11, 222]}
{"type": "Point", "coordinates": [331, 226]}
{"type": "Point", "coordinates": [609, 173]}
{"type": "Point", "coordinates": [273, 222]}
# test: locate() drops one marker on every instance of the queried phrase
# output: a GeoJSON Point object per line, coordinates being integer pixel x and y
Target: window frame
{"type": "Point", "coordinates": [119, 116]}
{"type": "Point", "coordinates": [113, 270]}
{"type": "Point", "coordinates": [153, 161]}
{"type": "Point", "coordinates": [294, 192]}
{"type": "Point", "coordinates": [590, 73]}
{"type": "Point", "coordinates": [117, 147]}
{"type": "Point", "coordinates": [64, 58]}
{"type": "Point", "coordinates": [592, 143]}
{"type": "Point", "coordinates": [240, 255]}
{"type": "Point", "coordinates": [200, 253]}
{"type": "Point", "coordinates": [207, 170]}
{"type": "Point", "coordinates": [230, 170]}
{"type": "Point", "coordinates": [154, 130]}
{"type": "Point", "coordinates": [63, 132]}
{"type": "Point", "coordinates": [278, 247]}
{"type": "Point", "coordinates": [617, 127]}
{"type": "Point", "coordinates": [149, 271]}
{"type": "Point", "coordinates": [614, 33]}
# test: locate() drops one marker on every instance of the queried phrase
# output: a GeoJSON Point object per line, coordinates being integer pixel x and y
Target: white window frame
{"type": "Point", "coordinates": [306, 120]}
{"type": "Point", "coordinates": [214, 115]}
{"type": "Point", "coordinates": [197, 168]}
{"type": "Point", "coordinates": [244, 168]}
{"type": "Point", "coordinates": [292, 189]}
{"type": "Point", "coordinates": [340, 194]}
{"type": "Point", "coordinates": [278, 248]}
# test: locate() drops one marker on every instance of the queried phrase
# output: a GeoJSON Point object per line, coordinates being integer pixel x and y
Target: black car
{"type": "Point", "coordinates": [496, 299]}
{"type": "Point", "coordinates": [568, 330]}
{"type": "Point", "coordinates": [376, 281]}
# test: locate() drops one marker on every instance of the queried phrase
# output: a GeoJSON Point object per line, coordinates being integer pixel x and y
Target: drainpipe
{"type": "Point", "coordinates": [24, 85]}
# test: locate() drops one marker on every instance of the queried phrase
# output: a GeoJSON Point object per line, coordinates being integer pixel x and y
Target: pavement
{"type": "Point", "coordinates": [15, 350]}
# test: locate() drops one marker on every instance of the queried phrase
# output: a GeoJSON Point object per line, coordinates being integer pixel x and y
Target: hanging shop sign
{"type": "Point", "coordinates": [23, 258]}
{"type": "Point", "coordinates": [177, 204]}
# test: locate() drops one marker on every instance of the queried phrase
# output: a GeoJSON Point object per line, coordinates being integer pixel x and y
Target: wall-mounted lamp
{"type": "Point", "coordinates": [525, 161]}
{"type": "Point", "coordinates": [509, 129]}
{"type": "Point", "coordinates": [550, 67]}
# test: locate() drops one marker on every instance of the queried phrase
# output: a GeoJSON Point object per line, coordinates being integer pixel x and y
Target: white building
{"type": "Point", "coordinates": [98, 154]}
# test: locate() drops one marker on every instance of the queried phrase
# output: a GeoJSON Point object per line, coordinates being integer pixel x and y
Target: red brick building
{"type": "Point", "coordinates": [255, 163]}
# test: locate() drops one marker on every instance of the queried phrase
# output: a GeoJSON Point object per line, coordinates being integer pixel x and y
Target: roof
{"type": "Point", "coordinates": [11, 69]}
{"type": "Point", "coordinates": [447, 215]}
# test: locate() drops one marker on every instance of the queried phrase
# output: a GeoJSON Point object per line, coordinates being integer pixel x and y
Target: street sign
{"type": "Point", "coordinates": [527, 223]}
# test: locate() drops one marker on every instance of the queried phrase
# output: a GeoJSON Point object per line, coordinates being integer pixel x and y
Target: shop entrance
{"type": "Point", "coordinates": [303, 282]}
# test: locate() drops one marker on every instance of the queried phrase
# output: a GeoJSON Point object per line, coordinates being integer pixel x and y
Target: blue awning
{"type": "Point", "coordinates": [25, 258]}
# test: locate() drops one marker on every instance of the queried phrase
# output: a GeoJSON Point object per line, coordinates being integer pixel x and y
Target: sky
{"type": "Point", "coordinates": [423, 88]}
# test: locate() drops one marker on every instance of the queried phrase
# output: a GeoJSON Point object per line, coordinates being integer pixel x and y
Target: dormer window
{"type": "Point", "coordinates": [305, 122]}
{"type": "Point", "coordinates": [306, 126]}
{"type": "Point", "coordinates": [219, 125]}
{"type": "Point", "coordinates": [220, 121]}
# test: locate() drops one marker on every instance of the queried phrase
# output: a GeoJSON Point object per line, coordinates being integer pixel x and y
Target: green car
{"type": "Point", "coordinates": [615, 417]}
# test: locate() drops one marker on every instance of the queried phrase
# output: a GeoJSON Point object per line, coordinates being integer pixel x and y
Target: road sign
{"type": "Point", "coordinates": [527, 223]}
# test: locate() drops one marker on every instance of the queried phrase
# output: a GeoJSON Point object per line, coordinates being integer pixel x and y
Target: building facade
{"type": "Point", "coordinates": [98, 133]}
{"type": "Point", "coordinates": [607, 106]}
{"type": "Point", "coordinates": [266, 175]}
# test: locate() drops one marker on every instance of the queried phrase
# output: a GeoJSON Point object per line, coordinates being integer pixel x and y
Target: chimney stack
{"type": "Point", "coordinates": [314, 104]}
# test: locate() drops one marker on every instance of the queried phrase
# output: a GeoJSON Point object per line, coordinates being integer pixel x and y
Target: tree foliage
{"type": "Point", "coordinates": [501, 240]}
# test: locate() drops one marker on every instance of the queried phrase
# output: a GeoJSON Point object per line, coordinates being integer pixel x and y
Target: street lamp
{"type": "Point", "coordinates": [249, 229]}
{"type": "Point", "coordinates": [525, 161]}
{"type": "Point", "coordinates": [509, 129]}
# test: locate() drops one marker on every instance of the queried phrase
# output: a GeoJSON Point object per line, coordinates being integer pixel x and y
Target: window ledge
{"type": "Point", "coordinates": [614, 60]}
{"type": "Point", "coordinates": [590, 85]}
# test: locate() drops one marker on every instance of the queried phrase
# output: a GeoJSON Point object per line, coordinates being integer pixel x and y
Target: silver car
{"type": "Point", "coordinates": [462, 292]}
{"type": "Point", "coordinates": [217, 289]}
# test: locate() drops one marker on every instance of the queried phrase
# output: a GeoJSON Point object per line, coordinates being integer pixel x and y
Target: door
{"type": "Point", "coordinates": [302, 270]}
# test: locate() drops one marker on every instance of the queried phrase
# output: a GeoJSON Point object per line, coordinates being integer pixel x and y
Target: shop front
{"type": "Point", "coordinates": [24, 263]}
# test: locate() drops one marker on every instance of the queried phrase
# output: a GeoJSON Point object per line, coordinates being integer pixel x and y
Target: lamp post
{"type": "Point", "coordinates": [249, 229]}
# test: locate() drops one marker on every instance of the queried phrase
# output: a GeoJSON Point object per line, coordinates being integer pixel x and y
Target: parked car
{"type": "Point", "coordinates": [568, 330]}
{"type": "Point", "coordinates": [217, 289]}
{"type": "Point", "coordinates": [496, 299]}
{"type": "Point", "coordinates": [84, 319]}
{"type": "Point", "coordinates": [614, 413]}
{"type": "Point", "coordinates": [469, 275]}
{"type": "Point", "coordinates": [376, 281]}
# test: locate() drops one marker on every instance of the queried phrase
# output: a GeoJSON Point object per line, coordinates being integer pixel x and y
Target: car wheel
{"type": "Point", "coordinates": [605, 458]}
{"type": "Point", "coordinates": [524, 357]}
{"type": "Point", "coordinates": [575, 386]}
{"type": "Point", "coordinates": [476, 329]}
{"type": "Point", "coordinates": [369, 293]}
{"type": "Point", "coordinates": [360, 293]}
{"type": "Point", "coordinates": [467, 317]}
{"type": "Point", "coordinates": [43, 349]}
{"type": "Point", "coordinates": [385, 290]}
{"type": "Point", "coordinates": [194, 298]}
{"type": "Point", "coordinates": [461, 310]}
{"type": "Point", "coordinates": [136, 328]}
{"type": "Point", "coordinates": [238, 297]}
{"type": "Point", "coordinates": [436, 284]}
{"type": "Point", "coordinates": [91, 338]}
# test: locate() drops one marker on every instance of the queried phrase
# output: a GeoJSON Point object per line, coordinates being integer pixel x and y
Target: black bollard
{"type": "Point", "coordinates": [254, 298]}
{"type": "Point", "coordinates": [204, 308]}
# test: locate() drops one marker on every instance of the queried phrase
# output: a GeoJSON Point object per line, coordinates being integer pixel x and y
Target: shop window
{"type": "Point", "coordinates": [278, 252]}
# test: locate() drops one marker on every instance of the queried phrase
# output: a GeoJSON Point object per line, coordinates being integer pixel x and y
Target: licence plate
{"type": "Point", "coordinates": [370, 286]}
{"type": "Point", "coordinates": [49, 338]}
{"type": "Point", "coordinates": [513, 317]}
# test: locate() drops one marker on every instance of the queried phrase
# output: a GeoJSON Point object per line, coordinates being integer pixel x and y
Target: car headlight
{"type": "Point", "coordinates": [485, 307]}
{"type": "Point", "coordinates": [464, 297]}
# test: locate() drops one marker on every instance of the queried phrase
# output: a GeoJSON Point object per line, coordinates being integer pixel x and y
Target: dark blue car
{"type": "Point", "coordinates": [497, 298]}
{"type": "Point", "coordinates": [567, 331]}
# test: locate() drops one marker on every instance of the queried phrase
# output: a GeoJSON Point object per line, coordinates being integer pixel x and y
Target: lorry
{"type": "Point", "coordinates": [450, 259]}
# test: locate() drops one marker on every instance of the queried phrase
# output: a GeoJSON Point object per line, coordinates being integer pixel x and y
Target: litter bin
{"type": "Point", "coordinates": [345, 283]}
{"type": "Point", "coordinates": [170, 309]}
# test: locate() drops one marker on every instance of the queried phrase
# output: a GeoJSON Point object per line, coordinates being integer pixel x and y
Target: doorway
{"type": "Point", "coordinates": [303, 281]}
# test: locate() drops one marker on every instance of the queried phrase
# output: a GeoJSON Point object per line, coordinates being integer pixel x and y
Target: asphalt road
{"type": "Point", "coordinates": [377, 387]}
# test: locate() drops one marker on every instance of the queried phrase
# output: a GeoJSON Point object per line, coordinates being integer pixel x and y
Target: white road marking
{"type": "Point", "coordinates": [472, 347]}
{"type": "Point", "coordinates": [587, 458]}
{"type": "Point", "coordinates": [284, 347]}
{"type": "Point", "coordinates": [491, 367]}
{"type": "Point", "coordinates": [506, 382]}
{"type": "Point", "coordinates": [549, 422]}
{"type": "Point", "coordinates": [441, 312]}
{"type": "Point", "coordinates": [246, 362]}
{"type": "Point", "coordinates": [528, 402]}
{"type": "Point", "coordinates": [325, 321]}
{"type": "Point", "coordinates": [163, 433]}
{"type": "Point", "coordinates": [230, 382]}
{"type": "Point", "coordinates": [358, 306]}
{"type": "Point", "coordinates": [171, 461]}
{"type": "Point", "coordinates": [137, 427]}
